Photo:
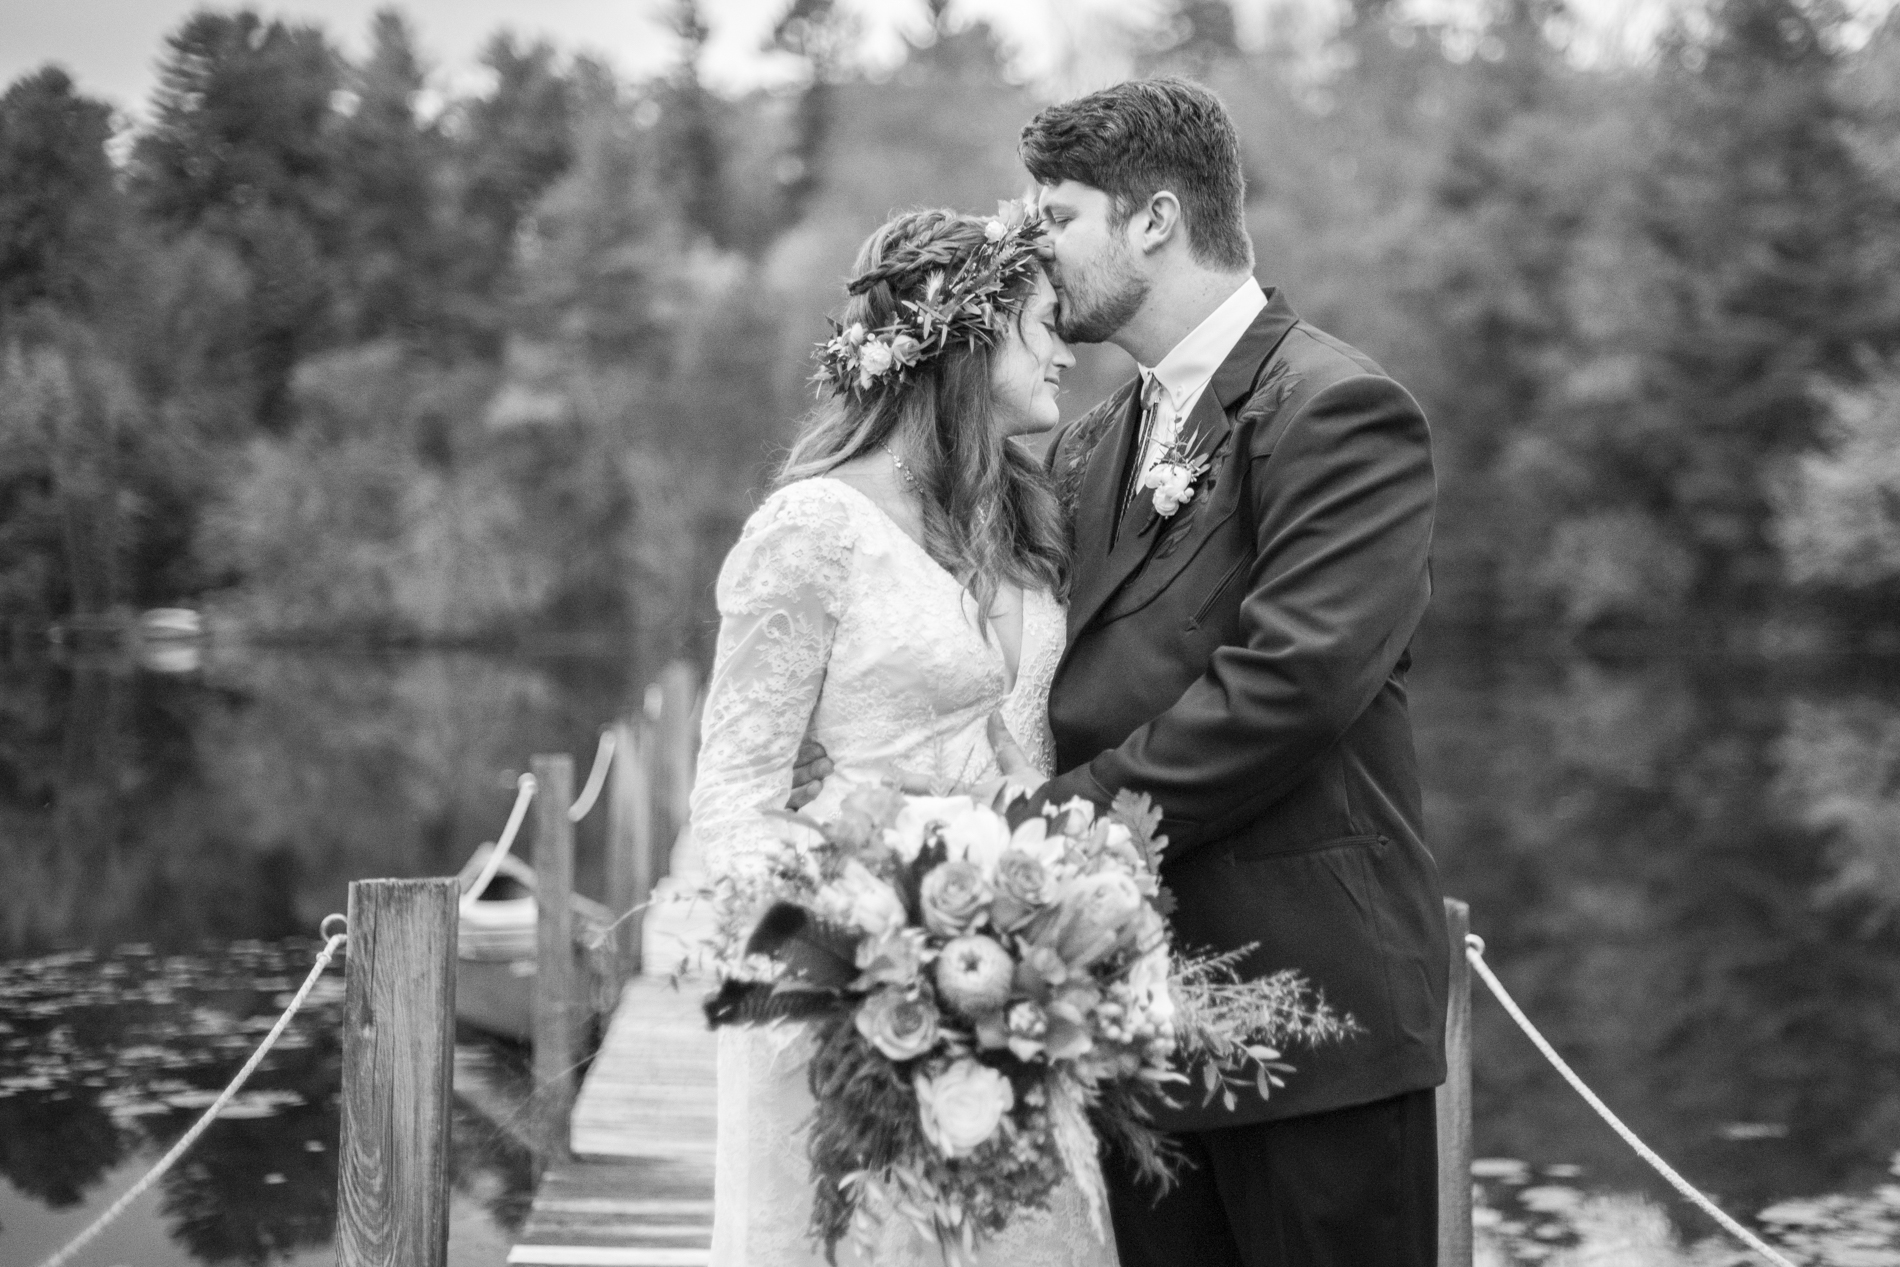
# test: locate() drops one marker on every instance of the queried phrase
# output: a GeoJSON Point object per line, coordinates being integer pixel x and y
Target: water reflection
{"type": "Point", "coordinates": [1652, 850]}
{"type": "Point", "coordinates": [169, 844]}
{"type": "Point", "coordinates": [240, 802]}
{"type": "Point", "coordinates": [1840, 762]}
{"type": "Point", "coordinates": [105, 1058]}
{"type": "Point", "coordinates": [1687, 871]}
{"type": "Point", "coordinates": [108, 1059]}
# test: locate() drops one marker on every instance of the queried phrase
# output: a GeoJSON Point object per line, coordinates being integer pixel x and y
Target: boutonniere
{"type": "Point", "coordinates": [1174, 475]}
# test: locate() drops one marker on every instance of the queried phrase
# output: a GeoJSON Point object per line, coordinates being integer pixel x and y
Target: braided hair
{"type": "Point", "coordinates": [909, 248]}
{"type": "Point", "coordinates": [989, 514]}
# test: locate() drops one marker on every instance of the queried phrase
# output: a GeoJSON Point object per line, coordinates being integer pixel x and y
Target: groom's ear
{"type": "Point", "coordinates": [1159, 222]}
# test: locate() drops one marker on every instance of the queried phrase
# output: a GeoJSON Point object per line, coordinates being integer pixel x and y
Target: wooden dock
{"type": "Point", "coordinates": [637, 1187]}
{"type": "Point", "coordinates": [638, 1191]}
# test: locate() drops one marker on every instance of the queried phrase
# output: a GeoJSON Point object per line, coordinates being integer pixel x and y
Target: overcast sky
{"type": "Point", "coordinates": [111, 46]}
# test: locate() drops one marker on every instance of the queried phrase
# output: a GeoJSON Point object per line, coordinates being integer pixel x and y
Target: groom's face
{"type": "Point", "coordinates": [1097, 272]}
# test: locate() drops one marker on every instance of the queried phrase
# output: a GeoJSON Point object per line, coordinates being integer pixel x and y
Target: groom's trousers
{"type": "Point", "coordinates": [1355, 1187]}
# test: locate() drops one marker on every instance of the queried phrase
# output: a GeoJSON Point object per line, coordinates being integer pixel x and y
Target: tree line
{"type": "Point", "coordinates": [336, 357]}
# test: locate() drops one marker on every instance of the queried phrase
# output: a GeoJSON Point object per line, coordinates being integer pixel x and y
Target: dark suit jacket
{"type": "Point", "coordinates": [1244, 663]}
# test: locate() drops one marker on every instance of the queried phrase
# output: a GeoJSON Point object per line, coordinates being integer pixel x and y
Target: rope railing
{"type": "Point", "coordinates": [331, 943]}
{"type": "Point", "coordinates": [596, 777]}
{"type": "Point", "coordinates": [525, 789]}
{"type": "Point", "coordinates": [524, 793]}
{"type": "Point", "coordinates": [1474, 954]}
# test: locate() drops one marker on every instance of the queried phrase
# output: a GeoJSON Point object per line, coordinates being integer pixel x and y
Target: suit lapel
{"type": "Point", "coordinates": [1233, 382]}
{"type": "Point", "coordinates": [1098, 578]}
{"type": "Point", "coordinates": [1098, 499]}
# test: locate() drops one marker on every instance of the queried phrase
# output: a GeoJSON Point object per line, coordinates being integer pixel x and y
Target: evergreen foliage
{"type": "Point", "coordinates": [337, 357]}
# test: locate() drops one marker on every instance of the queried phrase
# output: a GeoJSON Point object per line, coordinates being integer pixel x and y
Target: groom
{"type": "Point", "coordinates": [1253, 520]}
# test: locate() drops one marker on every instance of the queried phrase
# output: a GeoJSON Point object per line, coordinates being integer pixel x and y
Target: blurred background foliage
{"type": "Point", "coordinates": [338, 358]}
{"type": "Point", "coordinates": [341, 357]}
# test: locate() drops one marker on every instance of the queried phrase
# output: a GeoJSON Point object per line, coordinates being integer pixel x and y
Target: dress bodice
{"type": "Point", "coordinates": [834, 620]}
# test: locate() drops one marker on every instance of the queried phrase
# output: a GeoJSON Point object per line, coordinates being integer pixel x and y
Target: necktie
{"type": "Point", "coordinates": [1157, 432]}
{"type": "Point", "coordinates": [1162, 425]}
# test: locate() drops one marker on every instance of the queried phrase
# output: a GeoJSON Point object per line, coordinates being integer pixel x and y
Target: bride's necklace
{"type": "Point", "coordinates": [903, 472]}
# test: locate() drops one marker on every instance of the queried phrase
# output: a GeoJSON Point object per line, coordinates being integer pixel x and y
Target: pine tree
{"type": "Point", "coordinates": [239, 149]}
{"type": "Point", "coordinates": [60, 214]}
{"type": "Point", "coordinates": [1758, 217]}
{"type": "Point", "coordinates": [389, 166]}
{"type": "Point", "coordinates": [514, 143]}
{"type": "Point", "coordinates": [241, 118]}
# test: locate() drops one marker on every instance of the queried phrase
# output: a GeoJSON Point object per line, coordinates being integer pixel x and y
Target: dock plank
{"type": "Point", "coordinates": [652, 1089]}
{"type": "Point", "coordinates": [638, 1190]}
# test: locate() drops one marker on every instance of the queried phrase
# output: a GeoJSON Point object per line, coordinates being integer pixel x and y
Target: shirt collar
{"type": "Point", "coordinates": [1190, 363]}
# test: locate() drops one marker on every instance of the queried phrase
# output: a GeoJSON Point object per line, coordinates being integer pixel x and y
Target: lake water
{"type": "Point", "coordinates": [1688, 871]}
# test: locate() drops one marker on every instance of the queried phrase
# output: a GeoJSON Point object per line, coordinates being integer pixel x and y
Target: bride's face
{"type": "Point", "coordinates": [1026, 372]}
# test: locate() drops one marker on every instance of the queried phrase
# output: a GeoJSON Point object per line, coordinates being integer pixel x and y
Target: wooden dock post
{"type": "Point", "coordinates": [1454, 1102]}
{"type": "Point", "coordinates": [557, 995]}
{"type": "Point", "coordinates": [630, 860]}
{"type": "Point", "coordinates": [398, 1061]}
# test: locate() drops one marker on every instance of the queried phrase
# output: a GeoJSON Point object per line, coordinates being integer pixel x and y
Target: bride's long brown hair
{"type": "Point", "coordinates": [989, 513]}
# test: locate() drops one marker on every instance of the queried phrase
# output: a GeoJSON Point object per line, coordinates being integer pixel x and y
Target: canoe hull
{"type": "Point", "coordinates": [497, 996]}
{"type": "Point", "coordinates": [495, 968]}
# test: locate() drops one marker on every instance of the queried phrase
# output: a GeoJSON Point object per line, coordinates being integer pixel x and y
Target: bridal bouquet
{"type": "Point", "coordinates": [986, 1004]}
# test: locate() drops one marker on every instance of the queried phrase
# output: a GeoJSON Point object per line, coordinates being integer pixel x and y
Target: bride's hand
{"type": "Point", "coordinates": [812, 766]}
{"type": "Point", "coordinates": [809, 770]}
{"type": "Point", "coordinates": [1020, 778]}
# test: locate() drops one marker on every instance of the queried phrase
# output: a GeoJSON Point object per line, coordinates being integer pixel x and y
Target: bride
{"type": "Point", "coordinates": [901, 587]}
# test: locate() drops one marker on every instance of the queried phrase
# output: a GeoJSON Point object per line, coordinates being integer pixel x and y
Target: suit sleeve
{"type": "Point", "coordinates": [1342, 512]}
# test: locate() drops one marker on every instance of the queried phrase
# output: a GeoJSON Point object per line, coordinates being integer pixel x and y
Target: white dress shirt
{"type": "Point", "coordinates": [1171, 388]}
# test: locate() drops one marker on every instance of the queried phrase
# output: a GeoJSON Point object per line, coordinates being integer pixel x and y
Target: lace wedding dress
{"type": "Point", "coordinates": [834, 619]}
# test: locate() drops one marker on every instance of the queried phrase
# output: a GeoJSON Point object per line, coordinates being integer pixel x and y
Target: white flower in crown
{"type": "Point", "coordinates": [994, 230]}
{"type": "Point", "coordinates": [874, 359]}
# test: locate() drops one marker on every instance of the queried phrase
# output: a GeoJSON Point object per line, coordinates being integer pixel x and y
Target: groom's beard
{"type": "Point", "coordinates": [1094, 304]}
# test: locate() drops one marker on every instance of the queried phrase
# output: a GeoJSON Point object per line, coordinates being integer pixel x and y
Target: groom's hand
{"type": "Point", "coordinates": [809, 769]}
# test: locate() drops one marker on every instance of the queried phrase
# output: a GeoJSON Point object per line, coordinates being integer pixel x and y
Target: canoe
{"type": "Point", "coordinates": [495, 952]}
{"type": "Point", "coordinates": [171, 622]}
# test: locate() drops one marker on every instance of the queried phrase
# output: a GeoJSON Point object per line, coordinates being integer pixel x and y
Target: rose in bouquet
{"type": "Point", "coordinates": [987, 1003]}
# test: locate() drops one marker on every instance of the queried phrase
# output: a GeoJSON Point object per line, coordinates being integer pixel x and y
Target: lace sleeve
{"type": "Point", "coordinates": [780, 593]}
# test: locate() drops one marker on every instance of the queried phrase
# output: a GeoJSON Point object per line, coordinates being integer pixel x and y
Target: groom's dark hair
{"type": "Point", "coordinates": [1140, 137]}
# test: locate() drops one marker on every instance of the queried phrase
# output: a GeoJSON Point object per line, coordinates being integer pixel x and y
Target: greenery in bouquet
{"type": "Point", "coordinates": [987, 1003]}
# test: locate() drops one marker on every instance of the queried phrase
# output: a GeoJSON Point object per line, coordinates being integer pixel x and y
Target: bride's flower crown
{"type": "Point", "coordinates": [968, 307]}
